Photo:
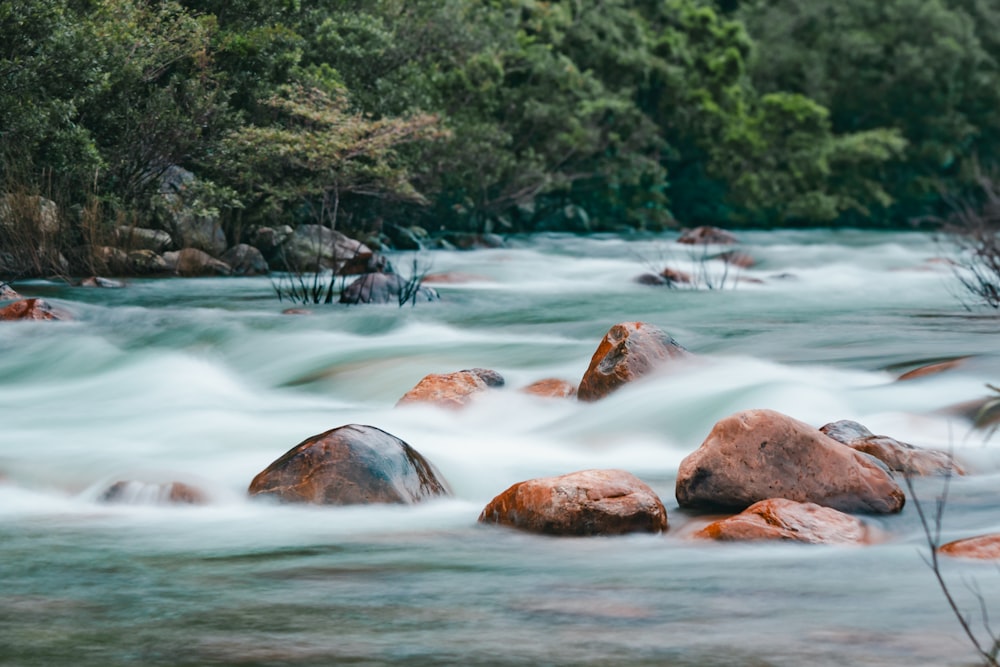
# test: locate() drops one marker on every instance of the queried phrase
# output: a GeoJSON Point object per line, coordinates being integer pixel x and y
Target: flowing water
{"type": "Point", "coordinates": [204, 381]}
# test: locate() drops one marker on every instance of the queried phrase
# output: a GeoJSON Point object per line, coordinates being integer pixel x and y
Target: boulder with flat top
{"type": "Point", "coordinates": [628, 351]}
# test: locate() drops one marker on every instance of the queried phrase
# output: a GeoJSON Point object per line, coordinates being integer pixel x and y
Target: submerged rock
{"type": "Point", "coordinates": [385, 288]}
{"type": "Point", "coordinates": [788, 520]}
{"type": "Point", "coordinates": [453, 390]}
{"type": "Point", "coordinates": [31, 309]}
{"type": "Point", "coordinates": [983, 547]}
{"type": "Point", "coordinates": [141, 493]}
{"type": "Point", "coordinates": [627, 352]}
{"type": "Point", "coordinates": [350, 465]}
{"type": "Point", "coordinates": [932, 369]}
{"type": "Point", "coordinates": [899, 456]}
{"type": "Point", "coordinates": [761, 454]}
{"type": "Point", "coordinates": [589, 502]}
{"type": "Point", "coordinates": [705, 235]}
{"type": "Point", "coordinates": [551, 388]}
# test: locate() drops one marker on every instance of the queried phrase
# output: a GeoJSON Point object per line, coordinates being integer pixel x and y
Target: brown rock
{"type": "Point", "coordinates": [384, 288]}
{"type": "Point", "coordinates": [296, 311]}
{"type": "Point", "coordinates": [551, 388]}
{"type": "Point", "coordinates": [760, 454]}
{"type": "Point", "coordinates": [932, 369]}
{"type": "Point", "coordinates": [139, 493]}
{"type": "Point", "coordinates": [627, 352]}
{"type": "Point", "coordinates": [899, 456]}
{"type": "Point", "coordinates": [781, 519]}
{"type": "Point", "coordinates": [455, 278]}
{"type": "Point", "coordinates": [31, 309]}
{"type": "Point", "coordinates": [590, 502]}
{"type": "Point", "coordinates": [675, 277]}
{"type": "Point", "coordinates": [7, 292]}
{"type": "Point", "coordinates": [650, 279]}
{"type": "Point", "coordinates": [350, 465]}
{"type": "Point", "coordinates": [705, 235]}
{"type": "Point", "coordinates": [736, 258]}
{"type": "Point", "coordinates": [984, 547]}
{"type": "Point", "coordinates": [191, 262]}
{"type": "Point", "coordinates": [453, 390]}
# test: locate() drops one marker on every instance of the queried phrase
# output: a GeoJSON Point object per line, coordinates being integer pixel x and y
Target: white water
{"type": "Point", "coordinates": [205, 382]}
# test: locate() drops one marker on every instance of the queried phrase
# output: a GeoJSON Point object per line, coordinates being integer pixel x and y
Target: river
{"type": "Point", "coordinates": [205, 381]}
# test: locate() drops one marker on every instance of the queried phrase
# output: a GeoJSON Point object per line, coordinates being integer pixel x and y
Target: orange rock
{"type": "Point", "coordinates": [453, 390]}
{"type": "Point", "coordinates": [760, 454]}
{"type": "Point", "coordinates": [736, 258]}
{"type": "Point", "coordinates": [454, 278]}
{"type": "Point", "coordinates": [984, 547]}
{"type": "Point", "coordinates": [782, 519]}
{"type": "Point", "coordinates": [705, 235]}
{"type": "Point", "coordinates": [296, 311]}
{"type": "Point", "coordinates": [673, 276]}
{"type": "Point", "coordinates": [350, 465]}
{"type": "Point", "coordinates": [139, 493]}
{"type": "Point", "coordinates": [899, 456]}
{"type": "Point", "coordinates": [627, 352]}
{"type": "Point", "coordinates": [552, 388]}
{"type": "Point", "coordinates": [589, 502]}
{"type": "Point", "coordinates": [932, 369]}
{"type": "Point", "coordinates": [31, 309]}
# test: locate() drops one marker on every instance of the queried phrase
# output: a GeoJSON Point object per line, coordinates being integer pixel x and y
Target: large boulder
{"type": "Point", "coordinates": [350, 465]}
{"type": "Point", "coordinates": [984, 547]}
{"type": "Point", "coordinates": [706, 235]}
{"type": "Point", "coordinates": [142, 493]}
{"type": "Point", "coordinates": [780, 519]}
{"type": "Point", "coordinates": [31, 309]}
{"type": "Point", "coordinates": [145, 262]}
{"type": "Point", "coordinates": [191, 262]}
{"type": "Point", "coordinates": [313, 248]}
{"type": "Point", "coordinates": [386, 288]}
{"type": "Point", "coordinates": [627, 352]}
{"type": "Point", "coordinates": [452, 390]}
{"type": "Point", "coordinates": [899, 456]}
{"type": "Point", "coordinates": [589, 502]}
{"type": "Point", "coordinates": [245, 260]}
{"type": "Point", "coordinates": [192, 224]}
{"type": "Point", "coordinates": [760, 454]}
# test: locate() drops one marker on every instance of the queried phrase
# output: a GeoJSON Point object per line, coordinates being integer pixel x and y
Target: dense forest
{"type": "Point", "coordinates": [500, 115]}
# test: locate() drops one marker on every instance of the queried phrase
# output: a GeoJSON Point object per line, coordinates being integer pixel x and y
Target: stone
{"type": "Point", "coordinates": [455, 278]}
{"type": "Point", "coordinates": [589, 502]}
{"type": "Point", "coordinates": [313, 248]}
{"type": "Point", "coordinates": [755, 455]}
{"type": "Point", "coordinates": [350, 465]}
{"type": "Point", "coordinates": [405, 238]}
{"type": "Point", "coordinates": [104, 283]}
{"type": "Point", "coordinates": [385, 288]}
{"type": "Point", "coordinates": [983, 547]}
{"type": "Point", "coordinates": [650, 279]}
{"type": "Point", "coordinates": [469, 241]}
{"type": "Point", "coordinates": [140, 238]}
{"type": "Point", "coordinates": [268, 239]}
{"type": "Point", "coordinates": [296, 311]}
{"type": "Point", "coordinates": [190, 223]}
{"type": "Point", "coordinates": [779, 519]}
{"type": "Point", "coordinates": [191, 262]}
{"type": "Point", "coordinates": [740, 260]}
{"type": "Point", "coordinates": [245, 260]}
{"type": "Point", "coordinates": [628, 351]}
{"type": "Point", "coordinates": [675, 277]}
{"type": "Point", "coordinates": [31, 309]}
{"type": "Point", "coordinates": [932, 369]}
{"type": "Point", "coordinates": [42, 213]}
{"type": "Point", "coordinates": [140, 493]}
{"type": "Point", "coordinates": [144, 262]}
{"type": "Point", "coordinates": [452, 390]}
{"type": "Point", "coordinates": [705, 235]}
{"type": "Point", "coordinates": [551, 388]}
{"type": "Point", "coordinates": [899, 456]}
{"type": "Point", "coordinates": [7, 292]}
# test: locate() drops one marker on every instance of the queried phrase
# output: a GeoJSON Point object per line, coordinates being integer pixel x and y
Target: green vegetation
{"type": "Point", "coordinates": [505, 115]}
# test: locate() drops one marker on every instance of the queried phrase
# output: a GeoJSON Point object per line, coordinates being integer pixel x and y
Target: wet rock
{"type": "Point", "coordinates": [191, 262]}
{"type": "Point", "coordinates": [453, 390]}
{"type": "Point", "coordinates": [589, 502]}
{"type": "Point", "coordinates": [551, 388]}
{"type": "Point", "coordinates": [650, 279]}
{"type": "Point", "coordinates": [675, 277]}
{"type": "Point", "coordinates": [104, 283]}
{"type": "Point", "coordinates": [760, 454]}
{"type": "Point", "coordinates": [7, 292]}
{"type": "Point", "coordinates": [146, 262]}
{"type": "Point", "coordinates": [454, 278]}
{"type": "Point", "coordinates": [705, 235]}
{"type": "Point", "coordinates": [296, 311]}
{"type": "Point", "coordinates": [984, 547]}
{"type": "Point", "coordinates": [313, 248]}
{"type": "Point", "coordinates": [405, 238]}
{"type": "Point", "coordinates": [140, 238]}
{"type": "Point", "coordinates": [779, 519]}
{"type": "Point", "coordinates": [31, 309]}
{"type": "Point", "coordinates": [245, 260]}
{"type": "Point", "coordinates": [385, 288]}
{"type": "Point", "coordinates": [899, 456]}
{"type": "Point", "coordinates": [350, 465]}
{"type": "Point", "coordinates": [141, 493]}
{"type": "Point", "coordinates": [932, 369]}
{"type": "Point", "coordinates": [740, 260]}
{"type": "Point", "coordinates": [628, 351]}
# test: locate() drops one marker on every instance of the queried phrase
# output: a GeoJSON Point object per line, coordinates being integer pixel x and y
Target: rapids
{"type": "Point", "coordinates": [205, 382]}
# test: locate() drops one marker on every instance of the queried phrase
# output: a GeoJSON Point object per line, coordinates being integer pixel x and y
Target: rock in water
{"type": "Point", "coordinates": [31, 309]}
{"type": "Point", "coordinates": [350, 465]}
{"type": "Point", "coordinates": [385, 288]}
{"type": "Point", "coordinates": [453, 390]}
{"type": "Point", "coordinates": [787, 520]}
{"type": "Point", "coordinates": [760, 454]}
{"type": "Point", "coordinates": [589, 502]}
{"type": "Point", "coordinates": [628, 351]}
{"type": "Point", "coordinates": [705, 235]}
{"type": "Point", "coordinates": [899, 456]}
{"type": "Point", "coordinates": [984, 547]}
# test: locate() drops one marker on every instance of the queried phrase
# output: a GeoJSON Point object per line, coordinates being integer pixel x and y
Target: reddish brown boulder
{"type": "Point", "coordinates": [551, 388]}
{"type": "Point", "coordinates": [385, 288]}
{"type": "Point", "coordinates": [31, 309]}
{"type": "Point", "coordinates": [782, 519]}
{"type": "Point", "coordinates": [454, 278]}
{"type": "Point", "coordinates": [191, 262]}
{"type": "Point", "coordinates": [705, 235]}
{"type": "Point", "coordinates": [932, 369]}
{"type": "Point", "coordinates": [589, 502]}
{"type": "Point", "coordinates": [350, 465]}
{"type": "Point", "coordinates": [7, 292]}
{"type": "Point", "coordinates": [676, 277]}
{"type": "Point", "coordinates": [760, 454]}
{"type": "Point", "coordinates": [984, 547]}
{"type": "Point", "coordinates": [627, 352]}
{"type": "Point", "coordinates": [899, 456]}
{"type": "Point", "coordinates": [139, 493]}
{"type": "Point", "coordinates": [453, 390]}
